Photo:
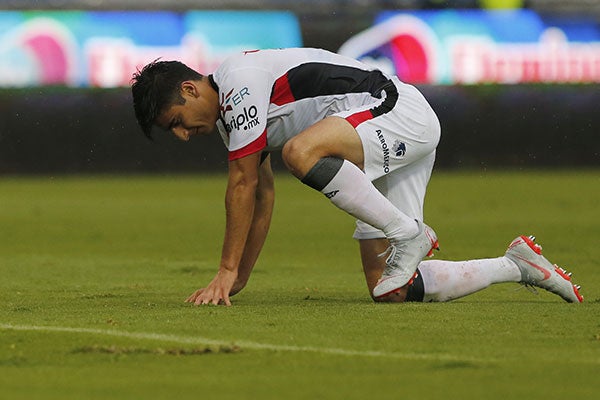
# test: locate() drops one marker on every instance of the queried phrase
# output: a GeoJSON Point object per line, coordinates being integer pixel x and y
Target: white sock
{"type": "Point", "coordinates": [448, 280]}
{"type": "Point", "coordinates": [351, 191]}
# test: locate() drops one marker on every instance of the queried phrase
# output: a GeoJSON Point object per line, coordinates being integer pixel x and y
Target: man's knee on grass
{"type": "Point", "coordinates": [397, 297]}
{"type": "Point", "coordinates": [410, 293]}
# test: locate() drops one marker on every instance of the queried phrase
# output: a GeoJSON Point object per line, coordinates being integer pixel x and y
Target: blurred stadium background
{"type": "Point", "coordinates": [64, 67]}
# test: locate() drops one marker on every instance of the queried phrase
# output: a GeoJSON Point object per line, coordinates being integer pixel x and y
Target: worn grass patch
{"type": "Point", "coordinates": [120, 350]}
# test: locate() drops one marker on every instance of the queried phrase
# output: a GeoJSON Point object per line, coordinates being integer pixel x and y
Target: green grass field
{"type": "Point", "coordinates": [94, 272]}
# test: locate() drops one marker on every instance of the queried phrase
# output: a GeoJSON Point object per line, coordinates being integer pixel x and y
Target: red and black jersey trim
{"type": "Point", "coordinates": [253, 147]}
{"type": "Point", "coordinates": [391, 98]}
{"type": "Point", "coordinates": [321, 79]}
{"type": "Point", "coordinates": [212, 82]}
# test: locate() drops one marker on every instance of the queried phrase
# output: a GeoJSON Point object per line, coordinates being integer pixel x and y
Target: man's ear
{"type": "Point", "coordinates": [189, 88]}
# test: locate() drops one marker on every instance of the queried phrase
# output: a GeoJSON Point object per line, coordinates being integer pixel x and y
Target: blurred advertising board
{"type": "Point", "coordinates": [104, 48]}
{"type": "Point", "coordinates": [476, 46]}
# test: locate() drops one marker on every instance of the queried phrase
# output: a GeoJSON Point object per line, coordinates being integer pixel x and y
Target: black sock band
{"type": "Point", "coordinates": [416, 290]}
{"type": "Point", "coordinates": [322, 172]}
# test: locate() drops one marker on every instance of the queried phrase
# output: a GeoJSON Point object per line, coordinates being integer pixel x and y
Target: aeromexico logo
{"type": "Point", "coordinates": [398, 150]}
{"type": "Point", "coordinates": [241, 119]}
{"type": "Point", "coordinates": [386, 151]}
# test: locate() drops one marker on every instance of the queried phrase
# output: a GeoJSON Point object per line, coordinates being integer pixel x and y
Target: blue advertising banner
{"type": "Point", "coordinates": [476, 46]}
{"type": "Point", "coordinates": [104, 48]}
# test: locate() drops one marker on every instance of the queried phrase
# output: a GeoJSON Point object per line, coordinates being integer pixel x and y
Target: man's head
{"type": "Point", "coordinates": [175, 97]}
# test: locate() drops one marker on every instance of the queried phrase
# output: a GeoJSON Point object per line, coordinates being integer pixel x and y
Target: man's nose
{"type": "Point", "coordinates": [181, 133]}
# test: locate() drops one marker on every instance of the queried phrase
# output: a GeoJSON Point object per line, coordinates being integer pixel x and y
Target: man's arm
{"type": "Point", "coordinates": [263, 210]}
{"type": "Point", "coordinates": [240, 201]}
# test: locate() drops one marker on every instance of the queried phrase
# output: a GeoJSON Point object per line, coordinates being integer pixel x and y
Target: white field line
{"type": "Point", "coordinates": [197, 340]}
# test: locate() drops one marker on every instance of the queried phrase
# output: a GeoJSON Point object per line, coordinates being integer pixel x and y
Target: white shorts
{"type": "Point", "coordinates": [405, 187]}
{"type": "Point", "coordinates": [399, 151]}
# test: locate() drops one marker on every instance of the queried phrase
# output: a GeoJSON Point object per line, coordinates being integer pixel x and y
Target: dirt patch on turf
{"type": "Point", "coordinates": [120, 350]}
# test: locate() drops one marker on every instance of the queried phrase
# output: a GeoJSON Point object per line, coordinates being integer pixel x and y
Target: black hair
{"type": "Point", "coordinates": [156, 87]}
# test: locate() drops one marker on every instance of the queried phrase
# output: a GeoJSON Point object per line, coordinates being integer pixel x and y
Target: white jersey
{"type": "Point", "coordinates": [268, 96]}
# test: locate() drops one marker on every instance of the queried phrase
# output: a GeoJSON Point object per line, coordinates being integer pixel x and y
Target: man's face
{"type": "Point", "coordinates": [197, 116]}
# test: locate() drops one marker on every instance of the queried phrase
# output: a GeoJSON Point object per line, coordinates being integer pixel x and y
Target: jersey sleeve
{"type": "Point", "coordinates": [244, 100]}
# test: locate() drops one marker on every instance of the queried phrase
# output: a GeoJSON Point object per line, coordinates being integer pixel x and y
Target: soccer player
{"type": "Point", "coordinates": [366, 140]}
